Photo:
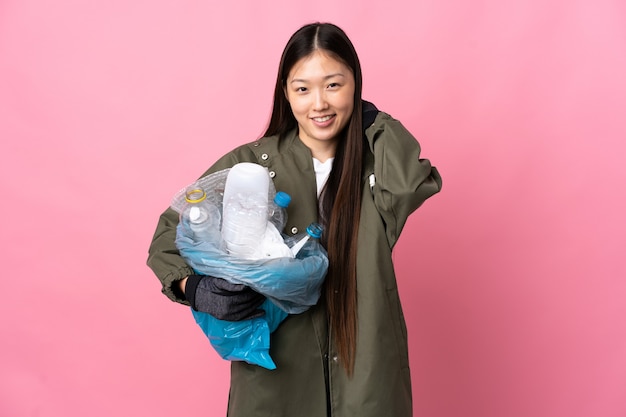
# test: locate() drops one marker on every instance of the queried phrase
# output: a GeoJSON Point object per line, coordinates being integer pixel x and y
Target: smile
{"type": "Point", "coordinates": [322, 119]}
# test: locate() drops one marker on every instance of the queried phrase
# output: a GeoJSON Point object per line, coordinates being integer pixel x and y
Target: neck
{"type": "Point", "coordinates": [322, 150]}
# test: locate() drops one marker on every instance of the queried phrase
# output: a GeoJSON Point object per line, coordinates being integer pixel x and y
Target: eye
{"type": "Point", "coordinates": [333, 85]}
{"type": "Point", "coordinates": [301, 89]}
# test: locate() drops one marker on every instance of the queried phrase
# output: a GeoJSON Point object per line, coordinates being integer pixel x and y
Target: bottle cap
{"type": "Point", "coordinates": [195, 196]}
{"type": "Point", "coordinates": [282, 199]}
{"type": "Point", "coordinates": [315, 230]}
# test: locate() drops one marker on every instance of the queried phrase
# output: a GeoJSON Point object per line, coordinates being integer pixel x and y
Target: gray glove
{"type": "Point", "coordinates": [222, 299]}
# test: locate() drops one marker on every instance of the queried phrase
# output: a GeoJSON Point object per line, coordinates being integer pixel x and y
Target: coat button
{"type": "Point", "coordinates": [294, 230]}
{"type": "Point", "coordinates": [272, 174]}
{"type": "Point", "coordinates": [335, 359]}
{"type": "Point", "coordinates": [264, 156]}
{"type": "Point", "coordinates": [256, 144]}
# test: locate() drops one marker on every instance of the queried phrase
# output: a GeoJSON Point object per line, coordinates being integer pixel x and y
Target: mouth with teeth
{"type": "Point", "coordinates": [323, 118]}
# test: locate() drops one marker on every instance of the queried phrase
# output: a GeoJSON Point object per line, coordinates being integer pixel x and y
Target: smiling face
{"type": "Point", "coordinates": [320, 91]}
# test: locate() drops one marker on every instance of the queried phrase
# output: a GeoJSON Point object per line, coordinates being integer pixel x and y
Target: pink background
{"type": "Point", "coordinates": [516, 303]}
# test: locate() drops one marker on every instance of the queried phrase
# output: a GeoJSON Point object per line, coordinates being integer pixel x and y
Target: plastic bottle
{"type": "Point", "coordinates": [279, 214]}
{"type": "Point", "coordinates": [203, 217]}
{"type": "Point", "coordinates": [312, 234]}
{"type": "Point", "coordinates": [245, 209]}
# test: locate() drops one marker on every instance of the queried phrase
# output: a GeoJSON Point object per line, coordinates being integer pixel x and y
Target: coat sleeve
{"type": "Point", "coordinates": [163, 256]}
{"type": "Point", "coordinates": [403, 180]}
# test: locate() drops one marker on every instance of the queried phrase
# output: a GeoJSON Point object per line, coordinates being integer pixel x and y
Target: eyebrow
{"type": "Point", "coordinates": [300, 80]}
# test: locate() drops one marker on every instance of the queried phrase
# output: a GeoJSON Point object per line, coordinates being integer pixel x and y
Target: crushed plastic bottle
{"type": "Point", "coordinates": [203, 217]}
{"type": "Point", "coordinates": [279, 214]}
{"type": "Point", "coordinates": [310, 237]}
{"type": "Point", "coordinates": [245, 209]}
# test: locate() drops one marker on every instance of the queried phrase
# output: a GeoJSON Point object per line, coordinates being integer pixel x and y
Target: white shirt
{"type": "Point", "coordinates": [322, 171]}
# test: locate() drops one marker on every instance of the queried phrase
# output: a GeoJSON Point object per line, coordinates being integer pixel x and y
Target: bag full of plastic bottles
{"type": "Point", "coordinates": [230, 227]}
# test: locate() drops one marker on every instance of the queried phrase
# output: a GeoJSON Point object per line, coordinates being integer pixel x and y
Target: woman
{"type": "Point", "coordinates": [358, 171]}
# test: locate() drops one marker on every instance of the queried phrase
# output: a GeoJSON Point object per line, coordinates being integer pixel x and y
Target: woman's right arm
{"type": "Point", "coordinates": [165, 260]}
{"type": "Point", "coordinates": [163, 257]}
{"type": "Point", "coordinates": [216, 296]}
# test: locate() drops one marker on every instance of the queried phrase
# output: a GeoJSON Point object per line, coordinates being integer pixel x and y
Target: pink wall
{"type": "Point", "coordinates": [516, 304]}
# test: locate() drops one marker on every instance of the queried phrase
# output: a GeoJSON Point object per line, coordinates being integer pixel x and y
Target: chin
{"type": "Point", "coordinates": [326, 138]}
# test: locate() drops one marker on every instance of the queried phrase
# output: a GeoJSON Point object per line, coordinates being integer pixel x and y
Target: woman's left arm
{"type": "Point", "coordinates": [403, 180]}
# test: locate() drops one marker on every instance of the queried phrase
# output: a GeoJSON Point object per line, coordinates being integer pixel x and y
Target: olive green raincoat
{"type": "Point", "coordinates": [309, 380]}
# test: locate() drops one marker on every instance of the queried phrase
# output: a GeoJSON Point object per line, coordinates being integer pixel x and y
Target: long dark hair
{"type": "Point", "coordinates": [340, 201]}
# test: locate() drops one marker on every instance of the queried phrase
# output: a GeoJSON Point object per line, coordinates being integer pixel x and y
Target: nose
{"type": "Point", "coordinates": [320, 102]}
